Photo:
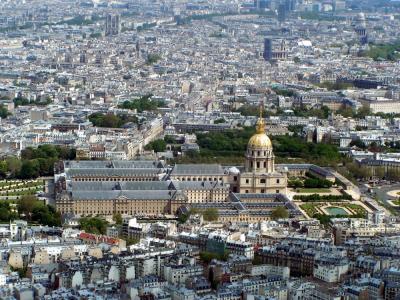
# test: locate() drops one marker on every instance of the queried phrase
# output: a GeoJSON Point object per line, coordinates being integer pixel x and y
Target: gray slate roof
{"type": "Point", "coordinates": [197, 169]}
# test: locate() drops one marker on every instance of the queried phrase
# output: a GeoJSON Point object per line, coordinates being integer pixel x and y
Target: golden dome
{"type": "Point", "coordinates": [260, 139]}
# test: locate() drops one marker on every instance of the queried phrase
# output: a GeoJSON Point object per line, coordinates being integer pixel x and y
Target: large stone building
{"type": "Point", "coordinates": [152, 188]}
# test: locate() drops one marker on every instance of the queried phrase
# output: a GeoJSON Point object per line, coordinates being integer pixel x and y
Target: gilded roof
{"type": "Point", "coordinates": [260, 139]}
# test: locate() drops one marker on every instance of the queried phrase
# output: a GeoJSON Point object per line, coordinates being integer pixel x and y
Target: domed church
{"type": "Point", "coordinates": [259, 175]}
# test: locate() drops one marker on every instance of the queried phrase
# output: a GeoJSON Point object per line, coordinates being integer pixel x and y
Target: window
{"type": "Point", "coordinates": [262, 180]}
{"type": "Point", "coordinates": [234, 178]}
{"type": "Point", "coordinates": [258, 153]}
{"type": "Point", "coordinates": [277, 181]}
{"type": "Point", "coordinates": [262, 191]}
{"type": "Point", "coordinates": [277, 191]}
{"type": "Point", "coordinates": [265, 164]}
{"type": "Point", "coordinates": [258, 164]}
{"type": "Point", "coordinates": [247, 181]}
{"type": "Point", "coordinates": [247, 191]}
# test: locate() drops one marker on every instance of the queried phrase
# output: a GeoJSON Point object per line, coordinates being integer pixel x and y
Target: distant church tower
{"type": "Point", "coordinates": [260, 175]}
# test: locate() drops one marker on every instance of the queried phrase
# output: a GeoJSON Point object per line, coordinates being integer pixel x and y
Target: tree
{"type": "Point", "coordinates": [4, 214]}
{"type": "Point", "coordinates": [3, 169]}
{"type": "Point", "coordinates": [295, 183]}
{"type": "Point", "coordinates": [182, 218]}
{"type": "Point", "coordinates": [111, 120]}
{"type": "Point", "coordinates": [94, 225]}
{"type": "Point", "coordinates": [3, 112]}
{"type": "Point", "coordinates": [152, 58]}
{"type": "Point", "coordinates": [157, 145]}
{"type": "Point", "coordinates": [169, 139]}
{"type": "Point", "coordinates": [280, 213]}
{"type": "Point", "coordinates": [358, 143]}
{"type": "Point", "coordinates": [46, 215]}
{"type": "Point", "coordinates": [317, 183]}
{"type": "Point", "coordinates": [210, 214]}
{"type": "Point", "coordinates": [363, 112]}
{"type": "Point", "coordinates": [26, 204]}
{"type": "Point", "coordinates": [132, 241]}
{"type": "Point", "coordinates": [29, 169]}
{"type": "Point", "coordinates": [13, 165]}
{"type": "Point", "coordinates": [144, 103]}
{"type": "Point", "coordinates": [219, 121]}
{"type": "Point", "coordinates": [117, 218]}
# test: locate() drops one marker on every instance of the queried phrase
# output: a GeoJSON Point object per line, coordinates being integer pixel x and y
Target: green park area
{"type": "Point", "coordinates": [29, 208]}
{"type": "Point", "coordinates": [229, 146]}
{"type": "Point", "coordinates": [33, 163]}
{"type": "Point", "coordinates": [14, 189]}
{"type": "Point", "coordinates": [388, 51]}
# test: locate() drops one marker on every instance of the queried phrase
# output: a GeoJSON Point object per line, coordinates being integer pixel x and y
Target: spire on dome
{"type": "Point", "coordinates": [260, 125]}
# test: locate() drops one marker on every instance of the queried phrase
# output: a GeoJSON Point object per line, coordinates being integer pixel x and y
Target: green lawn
{"type": "Point", "coordinates": [313, 190]}
{"type": "Point", "coordinates": [309, 208]}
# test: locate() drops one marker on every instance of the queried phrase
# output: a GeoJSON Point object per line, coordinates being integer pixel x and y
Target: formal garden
{"type": "Point", "coordinates": [14, 189]}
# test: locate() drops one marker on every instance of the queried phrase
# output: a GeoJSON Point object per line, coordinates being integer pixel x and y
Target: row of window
{"type": "Point", "coordinates": [199, 178]}
{"type": "Point", "coordinates": [262, 191]}
{"type": "Point", "coordinates": [258, 164]}
{"type": "Point", "coordinates": [113, 179]}
{"type": "Point", "coordinates": [263, 180]}
{"type": "Point", "coordinates": [259, 153]}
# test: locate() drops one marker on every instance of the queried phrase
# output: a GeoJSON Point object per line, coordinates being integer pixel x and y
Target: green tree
{"type": "Point", "coordinates": [131, 241]}
{"type": "Point", "coordinates": [26, 205]}
{"type": "Point", "coordinates": [210, 214]}
{"type": "Point", "coordinates": [111, 120]}
{"type": "Point", "coordinates": [3, 112]}
{"type": "Point", "coordinates": [280, 213]}
{"type": "Point", "coordinates": [152, 58]}
{"type": "Point", "coordinates": [219, 121]}
{"type": "Point", "coordinates": [3, 168]}
{"type": "Point", "coordinates": [117, 218]}
{"type": "Point", "coordinates": [13, 165]}
{"type": "Point", "coordinates": [317, 183]}
{"type": "Point", "coordinates": [363, 112]}
{"type": "Point", "coordinates": [4, 214]}
{"type": "Point", "coordinates": [169, 139]}
{"type": "Point", "coordinates": [157, 145]}
{"type": "Point", "coordinates": [46, 215]}
{"type": "Point", "coordinates": [358, 143]}
{"type": "Point", "coordinates": [29, 169]}
{"type": "Point", "coordinates": [93, 225]}
{"type": "Point", "coordinates": [144, 103]}
{"type": "Point", "coordinates": [295, 183]}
